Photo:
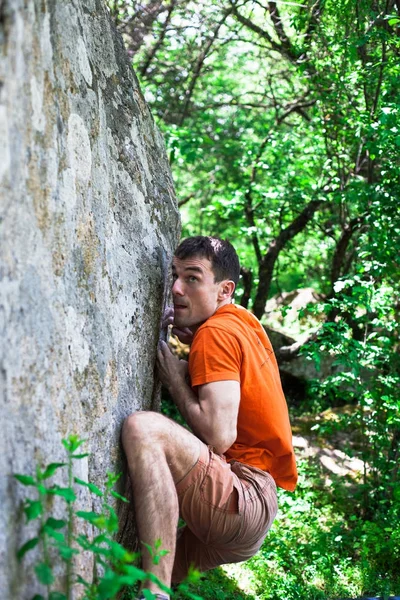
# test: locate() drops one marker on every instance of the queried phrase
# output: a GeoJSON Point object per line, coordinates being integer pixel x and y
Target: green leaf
{"type": "Point", "coordinates": [56, 535]}
{"type": "Point", "coordinates": [78, 456]}
{"type": "Point", "coordinates": [134, 572]}
{"type": "Point", "coordinates": [25, 479]}
{"type": "Point", "coordinates": [93, 488]}
{"type": "Point", "coordinates": [57, 596]}
{"type": "Point", "coordinates": [158, 556]}
{"type": "Point", "coordinates": [109, 585]}
{"type": "Point", "coordinates": [193, 596]}
{"type": "Point", "coordinates": [26, 547]}
{"type": "Point", "coordinates": [394, 21]}
{"type": "Point", "coordinates": [112, 479]}
{"type": "Point", "coordinates": [38, 597]}
{"type": "Point", "coordinates": [161, 585]}
{"type": "Point", "coordinates": [44, 573]}
{"type": "Point", "coordinates": [66, 552]}
{"type": "Point", "coordinates": [116, 495]}
{"type": "Point", "coordinates": [100, 551]}
{"type": "Point", "coordinates": [83, 541]}
{"type": "Point", "coordinates": [87, 515]}
{"type": "Point", "coordinates": [67, 493]}
{"type": "Point", "coordinates": [33, 509]}
{"type": "Point", "coordinates": [93, 518]}
{"type": "Point", "coordinates": [51, 469]}
{"type": "Point", "coordinates": [119, 552]}
{"type": "Point", "coordinates": [80, 579]}
{"type": "Point", "coordinates": [110, 523]}
{"type": "Point", "coordinates": [55, 523]}
{"type": "Point", "coordinates": [149, 548]}
{"type": "Point", "coordinates": [72, 443]}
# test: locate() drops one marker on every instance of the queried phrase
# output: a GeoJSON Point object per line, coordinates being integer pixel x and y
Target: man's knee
{"type": "Point", "coordinates": [140, 426]}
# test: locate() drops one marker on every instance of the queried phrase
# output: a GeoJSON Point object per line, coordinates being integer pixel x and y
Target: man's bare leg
{"type": "Point", "coordinates": [160, 453]}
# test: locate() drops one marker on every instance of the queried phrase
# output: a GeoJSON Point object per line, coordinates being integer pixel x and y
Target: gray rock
{"type": "Point", "coordinates": [88, 223]}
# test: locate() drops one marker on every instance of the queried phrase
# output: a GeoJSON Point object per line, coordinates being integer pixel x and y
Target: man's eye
{"type": "Point", "coordinates": [192, 278]}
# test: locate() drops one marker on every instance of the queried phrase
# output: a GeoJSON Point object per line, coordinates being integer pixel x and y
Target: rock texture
{"type": "Point", "coordinates": [88, 222]}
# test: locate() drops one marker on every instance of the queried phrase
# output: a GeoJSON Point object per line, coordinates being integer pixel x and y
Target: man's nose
{"type": "Point", "coordinates": [177, 287]}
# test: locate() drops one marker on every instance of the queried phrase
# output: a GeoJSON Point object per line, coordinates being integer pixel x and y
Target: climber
{"type": "Point", "coordinates": [221, 476]}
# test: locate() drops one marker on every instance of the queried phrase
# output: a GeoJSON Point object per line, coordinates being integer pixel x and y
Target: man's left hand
{"type": "Point", "coordinates": [169, 368]}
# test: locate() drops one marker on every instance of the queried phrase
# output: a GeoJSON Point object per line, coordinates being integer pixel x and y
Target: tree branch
{"type": "Point", "coordinates": [185, 200]}
{"type": "Point", "coordinates": [247, 279]}
{"type": "Point", "coordinates": [145, 67]}
{"type": "Point", "coordinates": [200, 62]}
{"type": "Point", "coordinates": [341, 247]}
{"type": "Point", "coordinates": [248, 208]}
{"type": "Point", "coordinates": [278, 26]}
{"type": "Point", "coordinates": [296, 107]}
{"type": "Point", "coordinates": [141, 23]}
{"type": "Point", "coordinates": [261, 32]}
{"type": "Point", "coordinates": [315, 16]}
{"type": "Point", "coordinates": [269, 259]}
{"type": "Point", "coordinates": [232, 103]}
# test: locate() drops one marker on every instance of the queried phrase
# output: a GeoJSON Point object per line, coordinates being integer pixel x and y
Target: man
{"type": "Point", "coordinates": [221, 479]}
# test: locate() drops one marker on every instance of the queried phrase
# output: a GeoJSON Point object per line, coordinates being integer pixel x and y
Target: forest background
{"type": "Point", "coordinates": [282, 124]}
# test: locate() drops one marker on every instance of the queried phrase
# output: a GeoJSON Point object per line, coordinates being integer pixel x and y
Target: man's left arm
{"type": "Point", "coordinates": [212, 414]}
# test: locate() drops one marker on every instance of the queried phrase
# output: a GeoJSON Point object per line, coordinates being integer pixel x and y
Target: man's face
{"type": "Point", "coordinates": [195, 294]}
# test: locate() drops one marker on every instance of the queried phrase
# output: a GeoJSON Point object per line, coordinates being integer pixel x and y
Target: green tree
{"type": "Point", "coordinates": [282, 121]}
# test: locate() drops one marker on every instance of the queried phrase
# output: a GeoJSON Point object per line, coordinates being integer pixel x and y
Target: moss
{"type": "Point", "coordinates": [59, 247]}
{"type": "Point", "coordinates": [89, 245]}
{"type": "Point", "coordinates": [39, 195]}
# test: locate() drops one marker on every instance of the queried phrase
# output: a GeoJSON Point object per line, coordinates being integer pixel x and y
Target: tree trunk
{"type": "Point", "coordinates": [266, 266]}
{"type": "Point", "coordinates": [247, 281]}
{"type": "Point", "coordinates": [88, 223]}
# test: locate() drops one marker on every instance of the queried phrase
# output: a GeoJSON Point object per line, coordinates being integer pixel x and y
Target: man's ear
{"type": "Point", "coordinates": [226, 290]}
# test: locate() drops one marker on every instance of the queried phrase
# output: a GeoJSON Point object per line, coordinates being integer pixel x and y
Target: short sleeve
{"type": "Point", "coordinates": [215, 355]}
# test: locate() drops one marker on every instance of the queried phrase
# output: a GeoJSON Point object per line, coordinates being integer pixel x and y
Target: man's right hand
{"type": "Point", "coordinates": [184, 335]}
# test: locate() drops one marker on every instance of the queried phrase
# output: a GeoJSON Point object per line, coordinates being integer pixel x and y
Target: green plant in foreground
{"type": "Point", "coordinates": [114, 567]}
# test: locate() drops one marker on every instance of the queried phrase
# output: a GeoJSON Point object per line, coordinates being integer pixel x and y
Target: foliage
{"type": "Point", "coordinates": [321, 548]}
{"type": "Point", "coordinates": [282, 122]}
{"type": "Point", "coordinates": [368, 376]}
{"type": "Point", "coordinates": [114, 568]}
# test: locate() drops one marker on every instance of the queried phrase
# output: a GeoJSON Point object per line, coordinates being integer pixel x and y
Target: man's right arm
{"type": "Point", "coordinates": [212, 414]}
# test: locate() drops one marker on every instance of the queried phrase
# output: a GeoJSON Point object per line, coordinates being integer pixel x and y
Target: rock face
{"type": "Point", "coordinates": [88, 223]}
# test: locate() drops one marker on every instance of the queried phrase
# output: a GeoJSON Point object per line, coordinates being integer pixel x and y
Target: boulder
{"type": "Point", "coordinates": [88, 223]}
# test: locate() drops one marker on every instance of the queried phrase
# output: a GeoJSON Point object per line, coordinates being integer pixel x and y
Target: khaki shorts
{"type": "Point", "coordinates": [228, 510]}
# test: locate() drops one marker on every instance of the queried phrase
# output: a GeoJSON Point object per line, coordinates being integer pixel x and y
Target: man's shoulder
{"type": "Point", "coordinates": [226, 317]}
{"type": "Point", "coordinates": [233, 315]}
{"type": "Point", "coordinates": [219, 343]}
{"type": "Point", "coordinates": [235, 321]}
{"type": "Point", "coordinates": [231, 319]}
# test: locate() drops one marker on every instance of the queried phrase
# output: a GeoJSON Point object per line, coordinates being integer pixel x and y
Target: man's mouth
{"type": "Point", "coordinates": [179, 306]}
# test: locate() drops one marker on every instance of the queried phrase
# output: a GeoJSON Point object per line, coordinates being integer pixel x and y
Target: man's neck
{"type": "Point", "coordinates": [194, 328]}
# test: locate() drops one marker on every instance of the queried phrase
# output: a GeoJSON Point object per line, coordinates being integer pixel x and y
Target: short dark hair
{"type": "Point", "coordinates": [221, 254]}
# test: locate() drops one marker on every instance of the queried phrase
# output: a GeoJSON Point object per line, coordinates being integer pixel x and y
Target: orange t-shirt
{"type": "Point", "coordinates": [232, 345]}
